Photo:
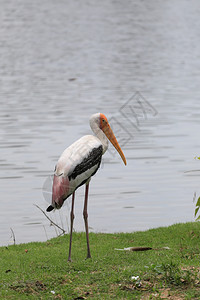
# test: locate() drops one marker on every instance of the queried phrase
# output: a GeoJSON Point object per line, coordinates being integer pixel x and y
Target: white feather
{"type": "Point", "coordinates": [75, 154]}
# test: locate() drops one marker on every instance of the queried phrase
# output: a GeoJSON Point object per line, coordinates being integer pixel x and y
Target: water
{"type": "Point", "coordinates": [62, 61]}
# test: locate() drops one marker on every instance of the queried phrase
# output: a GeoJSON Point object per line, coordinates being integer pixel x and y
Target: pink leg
{"type": "Point", "coordinates": [71, 228]}
{"type": "Point", "coordinates": [85, 216]}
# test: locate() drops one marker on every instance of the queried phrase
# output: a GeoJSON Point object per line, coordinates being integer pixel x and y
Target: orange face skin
{"type": "Point", "coordinates": [103, 122]}
{"type": "Point", "coordinates": [105, 127]}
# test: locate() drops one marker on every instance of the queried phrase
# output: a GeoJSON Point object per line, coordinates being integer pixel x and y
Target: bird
{"type": "Point", "coordinates": [77, 164]}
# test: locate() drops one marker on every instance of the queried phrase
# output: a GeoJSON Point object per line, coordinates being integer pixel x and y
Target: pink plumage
{"type": "Point", "coordinates": [59, 190]}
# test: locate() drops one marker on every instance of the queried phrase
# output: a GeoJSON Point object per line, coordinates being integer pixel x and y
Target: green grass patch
{"type": "Point", "coordinates": [41, 270]}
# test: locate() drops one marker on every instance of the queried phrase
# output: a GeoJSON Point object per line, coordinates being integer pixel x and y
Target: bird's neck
{"type": "Point", "coordinates": [100, 135]}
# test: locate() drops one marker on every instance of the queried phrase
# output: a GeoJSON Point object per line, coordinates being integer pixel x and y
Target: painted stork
{"type": "Point", "coordinates": [77, 164]}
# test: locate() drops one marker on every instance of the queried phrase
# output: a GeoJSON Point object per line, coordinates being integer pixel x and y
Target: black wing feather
{"type": "Point", "coordinates": [93, 158]}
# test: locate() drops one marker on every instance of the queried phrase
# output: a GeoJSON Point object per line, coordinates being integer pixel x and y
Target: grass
{"type": "Point", "coordinates": [41, 270]}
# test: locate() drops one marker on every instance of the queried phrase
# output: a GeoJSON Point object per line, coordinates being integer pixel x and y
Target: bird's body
{"type": "Point", "coordinates": [78, 163]}
{"type": "Point", "coordinates": [75, 166]}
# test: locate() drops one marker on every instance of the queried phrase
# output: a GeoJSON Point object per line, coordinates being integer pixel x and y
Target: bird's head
{"type": "Point", "coordinates": [102, 122]}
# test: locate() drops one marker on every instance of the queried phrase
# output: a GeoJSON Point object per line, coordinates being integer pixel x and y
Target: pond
{"type": "Point", "coordinates": [138, 63]}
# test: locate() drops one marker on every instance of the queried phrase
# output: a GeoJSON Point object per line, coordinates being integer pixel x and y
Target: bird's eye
{"type": "Point", "coordinates": [103, 120]}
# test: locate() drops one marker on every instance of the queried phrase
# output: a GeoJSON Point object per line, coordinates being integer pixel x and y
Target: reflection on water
{"type": "Point", "coordinates": [62, 61]}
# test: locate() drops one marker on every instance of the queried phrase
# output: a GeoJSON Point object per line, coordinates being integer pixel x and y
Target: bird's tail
{"type": "Point", "coordinates": [60, 191]}
{"type": "Point", "coordinates": [49, 208]}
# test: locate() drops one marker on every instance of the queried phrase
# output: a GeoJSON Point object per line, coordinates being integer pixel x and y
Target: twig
{"type": "Point", "coordinates": [142, 249]}
{"type": "Point", "coordinates": [45, 232]}
{"type": "Point", "coordinates": [56, 221]}
{"type": "Point", "coordinates": [56, 231]}
{"type": "Point", "coordinates": [61, 219]}
{"type": "Point", "coordinates": [135, 249]}
{"type": "Point", "coordinates": [13, 235]}
{"type": "Point", "coordinates": [66, 216]}
{"type": "Point", "coordinates": [52, 222]}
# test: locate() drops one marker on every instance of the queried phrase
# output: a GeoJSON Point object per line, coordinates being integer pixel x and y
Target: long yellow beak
{"type": "Point", "coordinates": [110, 135]}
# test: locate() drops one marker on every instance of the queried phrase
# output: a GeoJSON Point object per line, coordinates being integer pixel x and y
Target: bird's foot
{"type": "Point", "coordinates": [69, 259]}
